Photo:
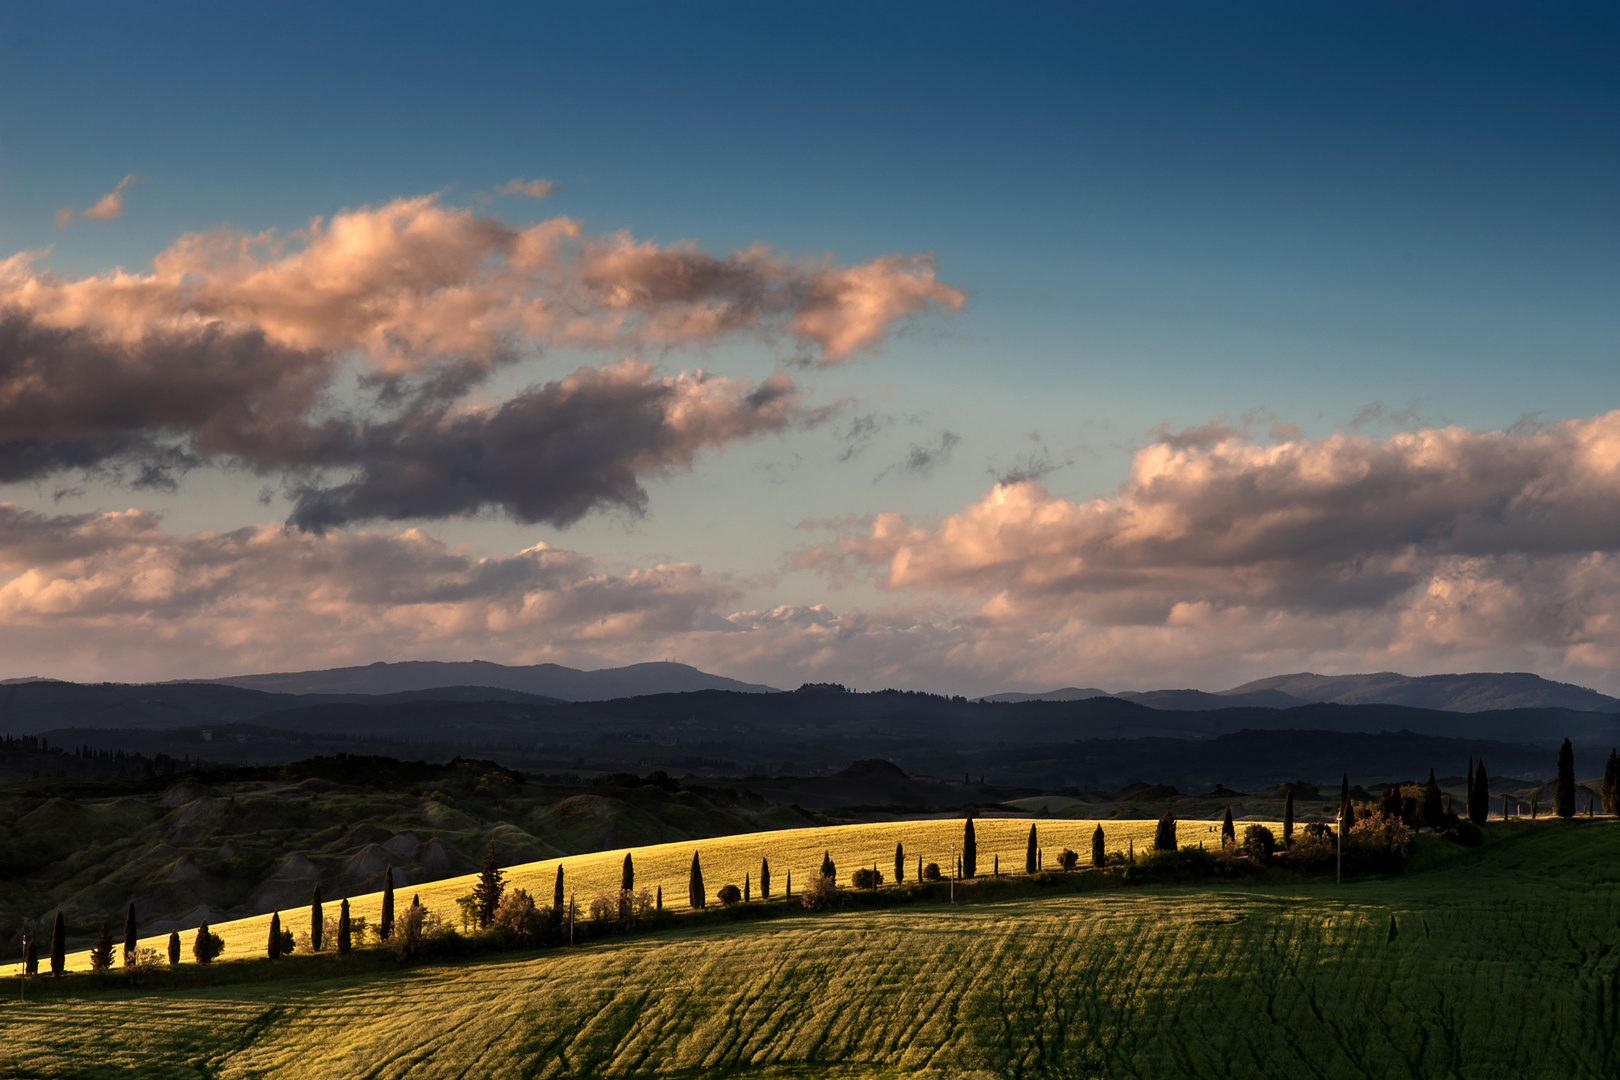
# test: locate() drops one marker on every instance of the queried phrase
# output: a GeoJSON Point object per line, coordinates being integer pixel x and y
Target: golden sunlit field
{"type": "Point", "coordinates": [1486, 962]}
{"type": "Point", "coordinates": [725, 860]}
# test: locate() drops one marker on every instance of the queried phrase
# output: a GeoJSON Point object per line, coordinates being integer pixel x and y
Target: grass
{"type": "Point", "coordinates": [725, 860]}
{"type": "Point", "coordinates": [1489, 962]}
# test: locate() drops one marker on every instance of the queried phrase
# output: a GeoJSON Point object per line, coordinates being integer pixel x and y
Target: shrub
{"type": "Point", "coordinates": [1164, 837]}
{"type": "Point", "coordinates": [931, 872]}
{"type": "Point", "coordinates": [517, 919]}
{"type": "Point", "coordinates": [208, 945]}
{"type": "Point", "coordinates": [1464, 832]}
{"type": "Point", "coordinates": [866, 877]}
{"type": "Point", "coordinates": [415, 929]}
{"type": "Point", "coordinates": [1259, 843]}
{"type": "Point", "coordinates": [729, 894]}
{"type": "Point", "coordinates": [1184, 864]}
{"type": "Point", "coordinates": [101, 952]}
{"type": "Point", "coordinates": [1314, 848]}
{"type": "Point", "coordinates": [622, 910]}
{"type": "Point", "coordinates": [1378, 842]}
{"type": "Point", "coordinates": [820, 893]}
{"type": "Point", "coordinates": [142, 959]}
{"type": "Point", "coordinates": [1068, 860]}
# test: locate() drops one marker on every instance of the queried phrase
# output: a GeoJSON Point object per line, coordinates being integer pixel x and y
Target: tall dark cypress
{"type": "Point", "coordinates": [1564, 793]}
{"type": "Point", "coordinates": [1031, 853]}
{"type": "Point", "coordinates": [828, 870]}
{"type": "Point", "coordinates": [317, 921]}
{"type": "Point", "coordinates": [385, 924]}
{"type": "Point", "coordinates": [1468, 788]}
{"type": "Point", "coordinates": [343, 930]}
{"type": "Point", "coordinates": [1480, 810]}
{"type": "Point", "coordinates": [627, 877]}
{"type": "Point", "coordinates": [694, 883]}
{"type": "Point", "coordinates": [764, 879]}
{"type": "Point", "coordinates": [1098, 855]}
{"type": "Point", "coordinates": [1433, 811]}
{"type": "Point", "coordinates": [557, 900]}
{"type": "Point", "coordinates": [1164, 837]}
{"type": "Point", "coordinates": [1288, 818]}
{"type": "Point", "coordinates": [1611, 783]}
{"type": "Point", "coordinates": [58, 945]}
{"type": "Point", "coordinates": [899, 862]}
{"type": "Point", "coordinates": [31, 958]}
{"type": "Point", "coordinates": [272, 946]}
{"type": "Point", "coordinates": [174, 948]}
{"type": "Point", "coordinates": [101, 952]}
{"type": "Point", "coordinates": [130, 937]}
{"type": "Point", "coordinates": [491, 884]}
{"type": "Point", "coordinates": [970, 851]}
{"type": "Point", "coordinates": [1228, 830]}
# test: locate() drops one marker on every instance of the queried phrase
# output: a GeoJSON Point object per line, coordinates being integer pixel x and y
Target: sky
{"type": "Point", "coordinates": [959, 347]}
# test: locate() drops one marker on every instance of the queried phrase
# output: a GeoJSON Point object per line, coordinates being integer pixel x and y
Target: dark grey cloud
{"type": "Point", "coordinates": [922, 458]}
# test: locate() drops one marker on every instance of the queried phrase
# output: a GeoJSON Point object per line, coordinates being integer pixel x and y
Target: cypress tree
{"type": "Point", "coordinates": [174, 948]}
{"type": "Point", "coordinates": [1504, 806]}
{"type": "Point", "coordinates": [970, 851]}
{"type": "Point", "coordinates": [788, 891]}
{"type": "Point", "coordinates": [557, 897]}
{"type": "Point", "coordinates": [1608, 788]}
{"type": "Point", "coordinates": [1031, 857]}
{"type": "Point", "coordinates": [272, 948]}
{"type": "Point", "coordinates": [919, 868]}
{"type": "Point", "coordinates": [385, 925]}
{"type": "Point", "coordinates": [627, 878]}
{"type": "Point", "coordinates": [748, 893]}
{"type": "Point", "coordinates": [1164, 837]}
{"type": "Point", "coordinates": [1288, 818]}
{"type": "Point", "coordinates": [31, 958]}
{"type": "Point", "coordinates": [58, 945]}
{"type": "Point", "coordinates": [764, 879]}
{"type": "Point", "coordinates": [1098, 855]}
{"type": "Point", "coordinates": [130, 936]}
{"type": "Point", "coordinates": [659, 903]}
{"type": "Point", "coordinates": [1480, 809]}
{"type": "Point", "coordinates": [101, 952]}
{"type": "Point", "coordinates": [828, 870]}
{"type": "Point", "coordinates": [694, 883]}
{"type": "Point", "coordinates": [317, 921]}
{"type": "Point", "coordinates": [491, 883]}
{"type": "Point", "coordinates": [1433, 811]}
{"type": "Point", "coordinates": [343, 929]}
{"type": "Point", "coordinates": [899, 863]}
{"type": "Point", "coordinates": [1468, 788]}
{"type": "Point", "coordinates": [1228, 830]}
{"type": "Point", "coordinates": [1564, 793]}
{"type": "Point", "coordinates": [995, 866]}
{"type": "Point", "coordinates": [1344, 805]}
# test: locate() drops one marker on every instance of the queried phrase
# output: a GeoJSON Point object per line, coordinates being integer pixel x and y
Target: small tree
{"type": "Point", "coordinates": [174, 948]}
{"type": "Point", "coordinates": [208, 945]}
{"type": "Point", "coordinates": [930, 872]}
{"type": "Point", "coordinates": [102, 951]}
{"type": "Point", "coordinates": [343, 934]}
{"type": "Point", "coordinates": [970, 850]}
{"type": "Point", "coordinates": [1098, 856]}
{"type": "Point", "coordinates": [627, 877]}
{"type": "Point", "coordinates": [131, 938]}
{"type": "Point", "coordinates": [272, 947]}
{"type": "Point", "coordinates": [729, 895]}
{"type": "Point", "coordinates": [764, 879]}
{"type": "Point", "coordinates": [1032, 857]}
{"type": "Point", "coordinates": [385, 925]}
{"type": "Point", "coordinates": [1288, 818]}
{"type": "Point", "coordinates": [1164, 837]}
{"type": "Point", "coordinates": [899, 863]}
{"type": "Point", "coordinates": [1259, 844]}
{"type": "Point", "coordinates": [1480, 809]}
{"type": "Point", "coordinates": [58, 945]}
{"type": "Point", "coordinates": [1564, 793]}
{"type": "Point", "coordinates": [317, 921]}
{"type": "Point", "coordinates": [491, 883]}
{"type": "Point", "coordinates": [828, 870]}
{"type": "Point", "coordinates": [866, 878]}
{"type": "Point", "coordinates": [1434, 812]}
{"type": "Point", "coordinates": [1068, 860]}
{"type": "Point", "coordinates": [1228, 830]}
{"type": "Point", "coordinates": [694, 883]}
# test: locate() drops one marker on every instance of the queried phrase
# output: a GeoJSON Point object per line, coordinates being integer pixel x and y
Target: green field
{"type": "Point", "coordinates": [1489, 962]}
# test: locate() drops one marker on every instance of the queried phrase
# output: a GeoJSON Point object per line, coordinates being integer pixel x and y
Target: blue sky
{"type": "Point", "coordinates": [1357, 219]}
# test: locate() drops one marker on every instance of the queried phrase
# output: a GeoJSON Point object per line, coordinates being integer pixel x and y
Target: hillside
{"type": "Point", "coordinates": [549, 680]}
{"type": "Point", "coordinates": [1487, 962]}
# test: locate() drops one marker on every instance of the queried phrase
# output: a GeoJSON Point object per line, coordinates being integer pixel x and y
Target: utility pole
{"type": "Point", "coordinates": [22, 981]}
{"type": "Point", "coordinates": [1338, 872]}
{"type": "Point", "coordinates": [571, 909]}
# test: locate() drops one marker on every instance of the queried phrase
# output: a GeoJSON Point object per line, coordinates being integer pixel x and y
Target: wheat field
{"type": "Point", "coordinates": [725, 860]}
{"type": "Point", "coordinates": [1495, 962]}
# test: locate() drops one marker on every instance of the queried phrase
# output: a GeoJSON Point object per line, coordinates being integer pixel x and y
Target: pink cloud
{"type": "Point", "coordinates": [534, 189]}
{"type": "Point", "coordinates": [109, 206]}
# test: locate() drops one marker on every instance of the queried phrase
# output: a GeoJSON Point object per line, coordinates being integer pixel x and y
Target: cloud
{"type": "Point", "coordinates": [64, 215]}
{"type": "Point", "coordinates": [232, 349]}
{"type": "Point", "coordinates": [921, 460]}
{"type": "Point", "coordinates": [1438, 542]}
{"type": "Point", "coordinates": [534, 189]}
{"type": "Point", "coordinates": [109, 206]}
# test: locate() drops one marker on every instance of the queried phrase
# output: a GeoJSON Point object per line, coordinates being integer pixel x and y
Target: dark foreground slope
{"type": "Point", "coordinates": [1498, 961]}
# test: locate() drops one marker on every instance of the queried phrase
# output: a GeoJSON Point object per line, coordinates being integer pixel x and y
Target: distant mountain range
{"type": "Point", "coordinates": [546, 680]}
{"type": "Point", "coordinates": [1475, 692]}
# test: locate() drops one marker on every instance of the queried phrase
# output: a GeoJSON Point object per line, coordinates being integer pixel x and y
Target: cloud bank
{"type": "Point", "coordinates": [234, 346]}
